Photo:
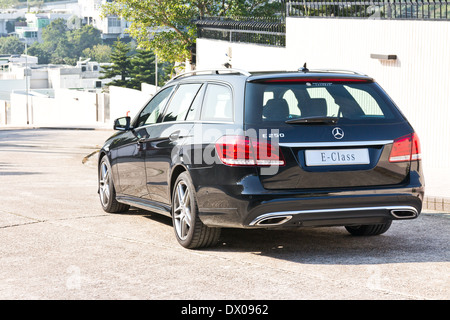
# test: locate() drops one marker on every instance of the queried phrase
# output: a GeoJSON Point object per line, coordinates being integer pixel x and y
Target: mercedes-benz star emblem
{"type": "Point", "coordinates": [338, 133]}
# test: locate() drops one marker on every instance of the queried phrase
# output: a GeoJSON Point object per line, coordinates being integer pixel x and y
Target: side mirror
{"type": "Point", "coordinates": [122, 124]}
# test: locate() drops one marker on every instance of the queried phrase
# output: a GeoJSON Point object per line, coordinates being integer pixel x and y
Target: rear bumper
{"type": "Point", "coordinates": [332, 217]}
{"type": "Point", "coordinates": [248, 205]}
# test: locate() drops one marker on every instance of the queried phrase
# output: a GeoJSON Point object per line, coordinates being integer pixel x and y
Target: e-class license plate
{"type": "Point", "coordinates": [336, 157]}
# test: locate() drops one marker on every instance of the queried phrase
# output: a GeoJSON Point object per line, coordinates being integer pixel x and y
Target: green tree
{"type": "Point", "coordinates": [142, 69]}
{"type": "Point", "coordinates": [166, 26]}
{"type": "Point", "coordinates": [11, 45]}
{"type": "Point", "coordinates": [83, 38]}
{"type": "Point", "coordinates": [6, 4]}
{"type": "Point", "coordinates": [55, 47]}
{"type": "Point", "coordinates": [166, 70]}
{"type": "Point", "coordinates": [119, 70]}
{"type": "Point", "coordinates": [100, 53]}
{"type": "Point", "coordinates": [64, 53]}
{"type": "Point", "coordinates": [61, 45]}
{"type": "Point", "coordinates": [54, 33]}
{"type": "Point", "coordinates": [39, 50]}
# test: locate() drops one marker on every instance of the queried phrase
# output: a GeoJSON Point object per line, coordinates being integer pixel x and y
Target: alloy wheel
{"type": "Point", "coordinates": [182, 211]}
{"type": "Point", "coordinates": [105, 191]}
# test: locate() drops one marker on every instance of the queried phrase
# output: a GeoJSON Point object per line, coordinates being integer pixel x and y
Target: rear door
{"type": "Point", "coordinates": [332, 133]}
{"type": "Point", "coordinates": [166, 140]}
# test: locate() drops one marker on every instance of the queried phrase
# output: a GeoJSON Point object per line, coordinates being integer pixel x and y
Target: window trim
{"type": "Point", "coordinates": [198, 112]}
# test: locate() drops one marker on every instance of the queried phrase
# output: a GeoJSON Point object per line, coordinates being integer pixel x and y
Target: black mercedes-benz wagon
{"type": "Point", "coordinates": [228, 148]}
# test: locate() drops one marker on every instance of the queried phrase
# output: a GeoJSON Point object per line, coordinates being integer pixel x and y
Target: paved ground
{"type": "Point", "coordinates": [57, 243]}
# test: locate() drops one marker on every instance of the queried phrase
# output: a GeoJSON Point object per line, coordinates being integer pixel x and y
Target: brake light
{"type": "Point", "coordinates": [243, 151]}
{"type": "Point", "coordinates": [406, 148]}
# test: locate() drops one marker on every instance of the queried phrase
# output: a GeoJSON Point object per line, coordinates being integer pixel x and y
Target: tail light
{"type": "Point", "coordinates": [243, 151]}
{"type": "Point", "coordinates": [406, 148]}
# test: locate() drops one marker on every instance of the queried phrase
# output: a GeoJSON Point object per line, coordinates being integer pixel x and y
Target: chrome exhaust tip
{"type": "Point", "coordinates": [270, 220]}
{"type": "Point", "coordinates": [404, 213]}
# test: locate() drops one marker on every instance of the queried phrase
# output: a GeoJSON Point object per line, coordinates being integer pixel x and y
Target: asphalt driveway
{"type": "Point", "coordinates": [57, 243]}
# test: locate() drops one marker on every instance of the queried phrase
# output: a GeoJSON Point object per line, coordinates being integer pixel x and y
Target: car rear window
{"type": "Point", "coordinates": [359, 102]}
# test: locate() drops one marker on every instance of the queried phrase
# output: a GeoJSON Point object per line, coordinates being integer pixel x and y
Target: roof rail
{"type": "Point", "coordinates": [212, 71]}
{"type": "Point", "coordinates": [339, 70]}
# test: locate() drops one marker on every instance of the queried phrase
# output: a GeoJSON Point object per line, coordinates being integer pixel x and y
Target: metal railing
{"type": "Point", "coordinates": [379, 9]}
{"type": "Point", "coordinates": [264, 31]}
{"type": "Point", "coordinates": [272, 31]}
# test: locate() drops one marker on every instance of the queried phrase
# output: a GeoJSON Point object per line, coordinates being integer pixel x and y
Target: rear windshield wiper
{"type": "Point", "coordinates": [313, 120]}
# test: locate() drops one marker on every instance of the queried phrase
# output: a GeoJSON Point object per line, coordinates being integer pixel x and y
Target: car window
{"type": "Point", "coordinates": [154, 108]}
{"type": "Point", "coordinates": [218, 103]}
{"type": "Point", "coordinates": [181, 101]}
{"type": "Point", "coordinates": [368, 104]}
{"type": "Point", "coordinates": [351, 103]}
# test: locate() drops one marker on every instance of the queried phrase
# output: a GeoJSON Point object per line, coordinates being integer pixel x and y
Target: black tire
{"type": "Point", "coordinates": [369, 230]}
{"type": "Point", "coordinates": [189, 230]}
{"type": "Point", "coordinates": [107, 192]}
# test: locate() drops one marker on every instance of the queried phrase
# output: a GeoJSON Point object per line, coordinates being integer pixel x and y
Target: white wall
{"type": "Point", "coordinates": [213, 54]}
{"type": "Point", "coordinates": [68, 107]}
{"type": "Point", "coordinates": [124, 101]}
{"type": "Point", "coordinates": [73, 107]}
{"type": "Point", "coordinates": [7, 85]}
{"type": "Point", "coordinates": [19, 114]}
{"type": "Point", "coordinates": [39, 79]}
{"type": "Point", "coordinates": [418, 81]}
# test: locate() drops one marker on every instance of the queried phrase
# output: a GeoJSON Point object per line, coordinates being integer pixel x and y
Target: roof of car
{"type": "Point", "coordinates": [309, 74]}
{"type": "Point", "coordinates": [256, 76]}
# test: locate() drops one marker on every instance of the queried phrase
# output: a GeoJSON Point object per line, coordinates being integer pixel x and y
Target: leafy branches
{"type": "Point", "coordinates": [158, 24]}
{"type": "Point", "coordinates": [62, 45]}
{"type": "Point", "coordinates": [167, 26]}
{"type": "Point", "coordinates": [11, 45]}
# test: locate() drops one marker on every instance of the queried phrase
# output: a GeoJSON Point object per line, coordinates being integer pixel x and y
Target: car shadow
{"type": "Point", "coordinates": [421, 240]}
{"type": "Point", "coordinates": [424, 242]}
{"type": "Point", "coordinates": [150, 215]}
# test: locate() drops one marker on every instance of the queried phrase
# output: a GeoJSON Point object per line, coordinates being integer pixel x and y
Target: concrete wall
{"type": "Point", "coordinates": [13, 84]}
{"type": "Point", "coordinates": [418, 81]}
{"type": "Point", "coordinates": [124, 101]}
{"type": "Point", "coordinates": [67, 107]}
{"type": "Point", "coordinates": [73, 107]}
{"type": "Point", "coordinates": [19, 115]}
{"type": "Point", "coordinates": [214, 53]}
{"type": "Point", "coordinates": [39, 79]}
